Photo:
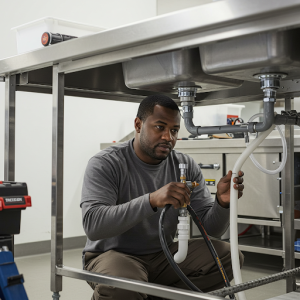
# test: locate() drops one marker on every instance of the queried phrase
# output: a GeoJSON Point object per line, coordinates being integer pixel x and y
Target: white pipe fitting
{"type": "Point", "coordinates": [183, 239]}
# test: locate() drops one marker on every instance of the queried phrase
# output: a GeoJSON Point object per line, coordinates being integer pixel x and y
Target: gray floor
{"type": "Point", "coordinates": [36, 271]}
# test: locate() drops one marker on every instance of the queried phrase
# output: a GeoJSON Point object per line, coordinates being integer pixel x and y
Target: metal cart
{"type": "Point", "coordinates": [67, 69]}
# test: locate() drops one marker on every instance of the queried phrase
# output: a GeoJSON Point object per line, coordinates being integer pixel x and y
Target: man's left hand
{"type": "Point", "coordinates": [223, 188]}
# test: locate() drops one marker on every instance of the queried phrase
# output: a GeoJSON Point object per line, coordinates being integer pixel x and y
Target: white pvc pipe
{"type": "Point", "coordinates": [183, 239]}
{"type": "Point", "coordinates": [234, 209]}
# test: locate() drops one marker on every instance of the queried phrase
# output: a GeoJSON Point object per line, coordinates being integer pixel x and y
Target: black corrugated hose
{"type": "Point", "coordinates": [168, 254]}
{"type": "Point", "coordinates": [210, 246]}
{"type": "Point", "coordinates": [255, 283]}
{"type": "Point", "coordinates": [228, 289]}
{"type": "Point", "coordinates": [207, 241]}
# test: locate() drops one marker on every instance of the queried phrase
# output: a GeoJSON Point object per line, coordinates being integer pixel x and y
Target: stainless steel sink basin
{"type": "Point", "coordinates": [243, 57]}
{"type": "Point", "coordinates": [166, 71]}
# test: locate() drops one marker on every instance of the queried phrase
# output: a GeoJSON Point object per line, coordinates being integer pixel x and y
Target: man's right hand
{"type": "Point", "coordinates": [174, 193]}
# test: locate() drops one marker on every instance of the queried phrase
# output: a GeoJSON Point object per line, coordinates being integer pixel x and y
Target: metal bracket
{"type": "Point", "coordinates": [280, 209]}
{"type": "Point", "coordinates": [251, 127]}
{"type": "Point", "coordinates": [209, 166]}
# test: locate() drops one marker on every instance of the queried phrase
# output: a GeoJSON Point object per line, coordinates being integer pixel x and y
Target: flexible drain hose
{"type": "Point", "coordinates": [284, 152]}
{"type": "Point", "coordinates": [234, 211]}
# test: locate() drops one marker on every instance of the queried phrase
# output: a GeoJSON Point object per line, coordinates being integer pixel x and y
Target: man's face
{"type": "Point", "coordinates": [157, 134]}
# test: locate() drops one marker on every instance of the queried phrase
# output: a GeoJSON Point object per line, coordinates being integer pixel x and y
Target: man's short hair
{"type": "Point", "coordinates": [147, 105]}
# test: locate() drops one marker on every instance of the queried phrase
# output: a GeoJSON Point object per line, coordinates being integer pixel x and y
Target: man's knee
{"type": "Point", "coordinates": [117, 264]}
{"type": "Point", "coordinates": [223, 250]}
{"type": "Point", "coordinates": [227, 261]}
{"type": "Point", "coordinates": [241, 257]}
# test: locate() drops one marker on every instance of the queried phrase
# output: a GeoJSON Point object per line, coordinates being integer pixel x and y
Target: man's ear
{"type": "Point", "coordinates": [138, 124]}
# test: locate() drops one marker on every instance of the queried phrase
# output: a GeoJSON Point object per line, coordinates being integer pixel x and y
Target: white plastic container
{"type": "Point", "coordinates": [29, 34]}
{"type": "Point", "coordinates": [216, 114]}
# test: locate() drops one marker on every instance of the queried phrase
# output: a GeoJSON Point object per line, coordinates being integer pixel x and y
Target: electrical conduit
{"type": "Point", "coordinates": [234, 212]}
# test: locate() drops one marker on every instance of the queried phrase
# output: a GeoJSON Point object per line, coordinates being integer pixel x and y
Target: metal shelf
{"type": "Point", "coordinates": [297, 223]}
{"type": "Point", "coordinates": [289, 296]}
{"type": "Point", "coordinates": [252, 221]}
{"type": "Point", "coordinates": [271, 245]}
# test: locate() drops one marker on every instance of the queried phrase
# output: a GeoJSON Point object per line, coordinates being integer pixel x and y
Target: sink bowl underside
{"type": "Point", "coordinates": [241, 58]}
{"type": "Point", "coordinates": [166, 71]}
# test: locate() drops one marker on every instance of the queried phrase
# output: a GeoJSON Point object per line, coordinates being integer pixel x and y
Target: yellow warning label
{"type": "Point", "coordinates": [210, 182]}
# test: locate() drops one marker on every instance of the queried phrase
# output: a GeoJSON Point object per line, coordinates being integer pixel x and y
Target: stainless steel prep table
{"type": "Point", "coordinates": [58, 70]}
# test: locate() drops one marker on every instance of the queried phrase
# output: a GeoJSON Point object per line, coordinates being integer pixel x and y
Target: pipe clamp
{"type": "Point", "coordinates": [187, 92]}
{"type": "Point", "coordinates": [269, 100]}
{"type": "Point", "coordinates": [251, 127]}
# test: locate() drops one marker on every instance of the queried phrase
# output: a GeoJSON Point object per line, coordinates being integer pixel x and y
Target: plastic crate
{"type": "Point", "coordinates": [29, 34]}
{"type": "Point", "coordinates": [297, 245]}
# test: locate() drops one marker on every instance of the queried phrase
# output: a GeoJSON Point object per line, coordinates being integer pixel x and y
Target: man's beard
{"type": "Point", "coordinates": [146, 148]}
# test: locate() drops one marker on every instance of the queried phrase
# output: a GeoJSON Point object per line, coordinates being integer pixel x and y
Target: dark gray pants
{"type": "Point", "coordinates": [199, 267]}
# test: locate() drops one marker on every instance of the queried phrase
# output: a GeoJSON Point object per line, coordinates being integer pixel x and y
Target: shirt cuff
{"type": "Point", "coordinates": [216, 200]}
{"type": "Point", "coordinates": [147, 196]}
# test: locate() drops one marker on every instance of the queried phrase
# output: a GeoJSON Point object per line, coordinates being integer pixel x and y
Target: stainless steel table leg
{"type": "Point", "coordinates": [288, 201]}
{"type": "Point", "coordinates": [57, 180]}
{"type": "Point", "coordinates": [10, 111]}
{"type": "Point", "coordinates": [9, 145]}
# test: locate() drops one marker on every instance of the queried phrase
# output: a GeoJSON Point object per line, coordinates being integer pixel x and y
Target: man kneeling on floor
{"type": "Point", "coordinates": [125, 188]}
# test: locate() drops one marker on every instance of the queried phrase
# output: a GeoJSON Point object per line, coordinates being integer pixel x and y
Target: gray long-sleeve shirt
{"type": "Point", "coordinates": [116, 211]}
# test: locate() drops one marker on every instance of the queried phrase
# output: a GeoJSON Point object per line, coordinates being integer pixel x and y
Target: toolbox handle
{"type": "Point", "coordinates": [210, 166]}
{"type": "Point", "coordinates": [13, 280]}
{"type": "Point", "coordinates": [26, 203]}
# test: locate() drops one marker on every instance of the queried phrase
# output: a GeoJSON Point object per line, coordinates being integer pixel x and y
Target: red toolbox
{"type": "Point", "coordinates": [13, 198]}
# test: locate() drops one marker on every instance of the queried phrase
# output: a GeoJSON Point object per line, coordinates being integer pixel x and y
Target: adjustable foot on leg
{"type": "Point", "coordinates": [56, 296]}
